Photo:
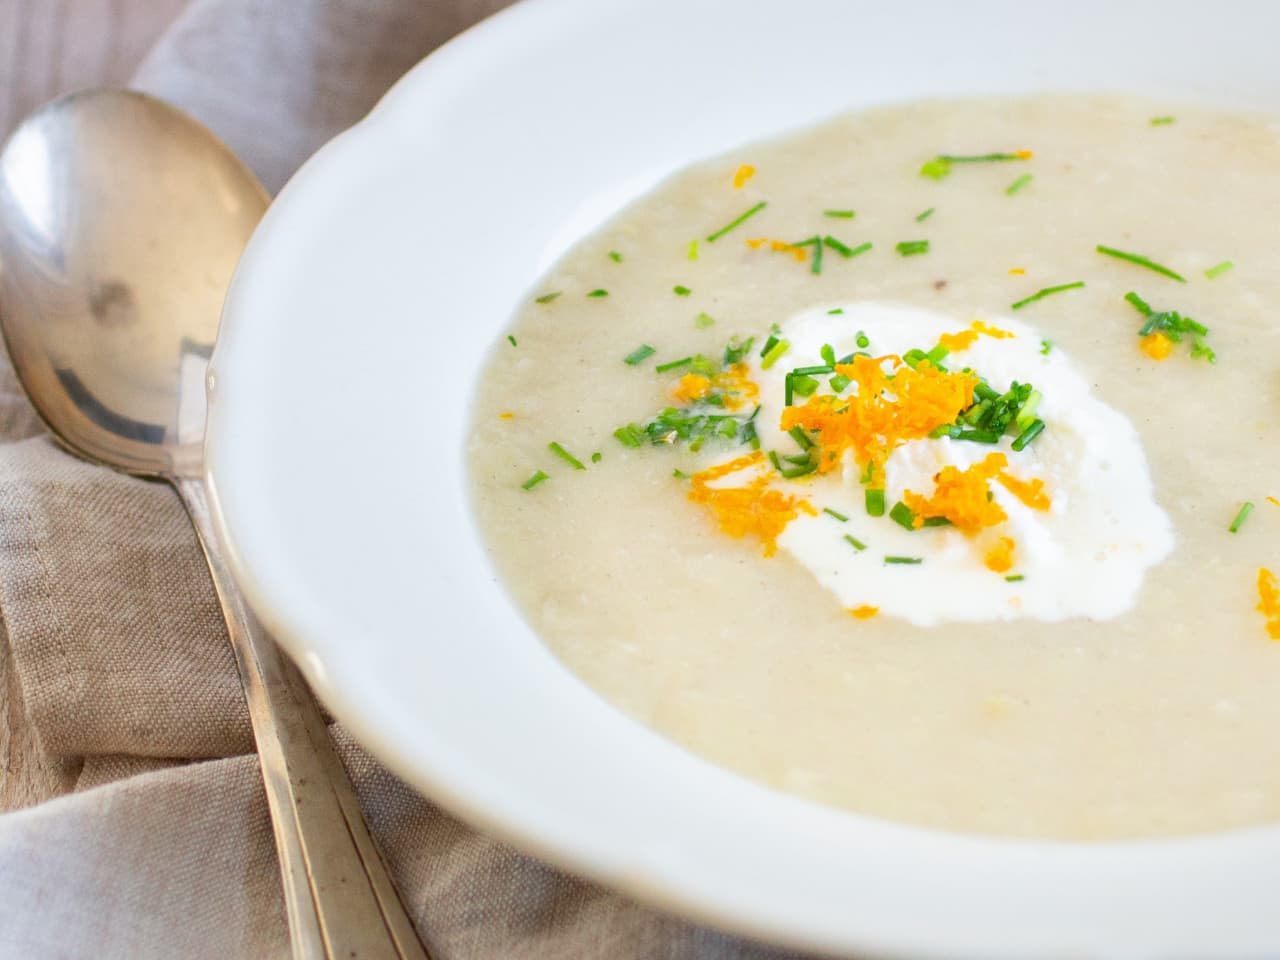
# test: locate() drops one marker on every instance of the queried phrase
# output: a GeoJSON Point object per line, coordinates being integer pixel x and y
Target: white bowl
{"type": "Point", "coordinates": [366, 303]}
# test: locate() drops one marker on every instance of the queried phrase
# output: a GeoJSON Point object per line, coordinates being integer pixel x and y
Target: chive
{"type": "Point", "coordinates": [736, 222]}
{"type": "Point", "coordinates": [979, 436]}
{"type": "Point", "coordinates": [937, 354]}
{"type": "Point", "coordinates": [792, 472]}
{"type": "Point", "coordinates": [1033, 430]}
{"type": "Point", "coordinates": [924, 215]}
{"type": "Point", "coordinates": [597, 457]}
{"type": "Point", "coordinates": [673, 365]}
{"type": "Point", "coordinates": [936, 522]}
{"type": "Point", "coordinates": [704, 320]}
{"type": "Point", "coordinates": [681, 291]}
{"type": "Point", "coordinates": [1161, 121]}
{"type": "Point", "coordinates": [839, 516]}
{"type": "Point", "coordinates": [858, 250]}
{"type": "Point", "coordinates": [810, 371]}
{"type": "Point", "coordinates": [1141, 261]}
{"type": "Point", "coordinates": [770, 343]}
{"type": "Point", "coordinates": [839, 382]}
{"type": "Point", "coordinates": [935, 169]}
{"type": "Point", "coordinates": [828, 355]}
{"type": "Point", "coordinates": [547, 297]}
{"type": "Point", "coordinates": [679, 474]}
{"type": "Point", "coordinates": [632, 435]}
{"type": "Point", "coordinates": [839, 214]}
{"type": "Point", "coordinates": [1027, 412]}
{"type": "Point", "coordinates": [855, 542]}
{"type": "Point", "coordinates": [981, 157]}
{"type": "Point", "coordinates": [802, 384]}
{"type": "Point", "coordinates": [734, 350]}
{"type": "Point", "coordinates": [1241, 517]}
{"type": "Point", "coordinates": [903, 516]}
{"type": "Point", "coordinates": [565, 455]}
{"type": "Point", "coordinates": [904, 560]}
{"type": "Point", "coordinates": [800, 437]}
{"type": "Point", "coordinates": [533, 481]}
{"type": "Point", "coordinates": [1018, 184]}
{"type": "Point", "coordinates": [598, 293]}
{"type": "Point", "coordinates": [772, 353]}
{"type": "Point", "coordinates": [1045, 347]}
{"type": "Point", "coordinates": [1219, 269]}
{"type": "Point", "coordinates": [640, 353]}
{"type": "Point", "coordinates": [909, 248]}
{"type": "Point", "coordinates": [843, 249]}
{"type": "Point", "coordinates": [511, 340]}
{"type": "Point", "coordinates": [1139, 304]}
{"type": "Point", "coordinates": [615, 256]}
{"type": "Point", "coordinates": [1016, 578]}
{"type": "Point", "coordinates": [874, 500]}
{"type": "Point", "coordinates": [863, 340]}
{"type": "Point", "coordinates": [913, 357]}
{"type": "Point", "coordinates": [837, 310]}
{"type": "Point", "coordinates": [815, 265]}
{"type": "Point", "coordinates": [1047, 291]}
{"type": "Point", "coordinates": [693, 250]}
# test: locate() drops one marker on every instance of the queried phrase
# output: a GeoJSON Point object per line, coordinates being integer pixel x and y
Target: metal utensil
{"type": "Point", "coordinates": [121, 221]}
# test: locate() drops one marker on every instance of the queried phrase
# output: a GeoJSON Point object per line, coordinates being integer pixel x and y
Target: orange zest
{"type": "Point", "coordinates": [1000, 556]}
{"type": "Point", "coordinates": [1269, 605]}
{"type": "Point", "coordinates": [755, 509]}
{"type": "Point", "coordinates": [779, 246]}
{"type": "Point", "coordinates": [1156, 345]}
{"type": "Point", "coordinates": [742, 175]}
{"type": "Point", "coordinates": [890, 408]}
{"type": "Point", "coordinates": [863, 612]}
{"type": "Point", "coordinates": [961, 496]}
{"type": "Point", "coordinates": [1030, 492]}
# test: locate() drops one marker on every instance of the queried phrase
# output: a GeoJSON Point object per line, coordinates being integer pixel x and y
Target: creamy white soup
{"type": "Point", "coordinates": [925, 463]}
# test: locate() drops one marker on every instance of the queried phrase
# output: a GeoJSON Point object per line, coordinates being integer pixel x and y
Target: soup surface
{"type": "Point", "coordinates": [1069, 644]}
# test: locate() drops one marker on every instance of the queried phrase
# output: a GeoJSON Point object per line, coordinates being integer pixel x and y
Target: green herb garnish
{"type": "Point", "coordinates": [924, 215]}
{"type": "Point", "coordinates": [1018, 184]}
{"type": "Point", "coordinates": [639, 354]}
{"type": "Point", "coordinates": [734, 350]}
{"type": "Point", "coordinates": [1141, 261]}
{"type": "Point", "coordinates": [839, 214]}
{"type": "Point", "coordinates": [598, 293]}
{"type": "Point", "coordinates": [534, 480]}
{"type": "Point", "coordinates": [855, 542]}
{"type": "Point", "coordinates": [511, 340]}
{"type": "Point", "coordinates": [673, 365]}
{"type": "Point", "coordinates": [736, 222]}
{"type": "Point", "coordinates": [904, 560]}
{"type": "Point", "coordinates": [1028, 435]}
{"type": "Point", "coordinates": [858, 250]}
{"type": "Point", "coordinates": [903, 516]}
{"type": "Point", "coordinates": [631, 435]}
{"type": "Point", "coordinates": [1174, 326]}
{"type": "Point", "coordinates": [615, 256]}
{"type": "Point", "coordinates": [704, 320]}
{"type": "Point", "coordinates": [1219, 269]}
{"type": "Point", "coordinates": [547, 297]}
{"type": "Point", "coordinates": [1241, 517]}
{"type": "Point", "coordinates": [693, 250]}
{"type": "Point", "coordinates": [832, 243]}
{"type": "Point", "coordinates": [680, 290]}
{"type": "Point", "coordinates": [839, 516]}
{"type": "Point", "coordinates": [566, 456]}
{"type": "Point", "coordinates": [1162, 121]}
{"type": "Point", "coordinates": [1045, 347]}
{"type": "Point", "coordinates": [863, 340]}
{"type": "Point", "coordinates": [597, 457]}
{"type": "Point", "coordinates": [909, 248]}
{"type": "Point", "coordinates": [773, 351]}
{"type": "Point", "coordinates": [1016, 578]}
{"type": "Point", "coordinates": [1047, 291]}
{"type": "Point", "coordinates": [874, 501]}
{"type": "Point", "coordinates": [835, 311]}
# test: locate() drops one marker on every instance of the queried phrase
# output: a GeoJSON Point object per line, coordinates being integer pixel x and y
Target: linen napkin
{"type": "Point", "coordinates": [122, 708]}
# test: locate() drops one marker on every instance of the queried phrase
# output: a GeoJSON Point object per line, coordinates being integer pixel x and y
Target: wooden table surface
{"type": "Point", "coordinates": [50, 47]}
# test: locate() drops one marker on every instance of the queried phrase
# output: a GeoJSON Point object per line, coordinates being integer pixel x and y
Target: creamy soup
{"type": "Point", "coordinates": [903, 464]}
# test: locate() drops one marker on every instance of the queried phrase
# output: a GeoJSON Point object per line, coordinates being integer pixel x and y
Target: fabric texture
{"type": "Point", "coordinates": [117, 652]}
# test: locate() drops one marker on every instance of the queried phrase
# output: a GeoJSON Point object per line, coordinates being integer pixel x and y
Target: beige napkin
{"type": "Point", "coordinates": [119, 660]}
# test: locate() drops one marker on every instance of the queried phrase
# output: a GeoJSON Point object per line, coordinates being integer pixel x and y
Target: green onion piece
{"type": "Point", "coordinates": [511, 340]}
{"type": "Point", "coordinates": [839, 382]}
{"type": "Point", "coordinates": [913, 357]}
{"type": "Point", "coordinates": [693, 250]}
{"type": "Point", "coordinates": [815, 264]}
{"type": "Point", "coordinates": [936, 522]}
{"type": "Point", "coordinates": [632, 435]}
{"type": "Point", "coordinates": [803, 384]}
{"type": "Point", "coordinates": [679, 474]}
{"type": "Point", "coordinates": [547, 297]}
{"type": "Point", "coordinates": [924, 215]}
{"type": "Point", "coordinates": [704, 320]}
{"type": "Point", "coordinates": [982, 157]}
{"type": "Point", "coordinates": [734, 350]}
{"type": "Point", "coordinates": [911, 560]}
{"type": "Point", "coordinates": [615, 256]}
{"type": "Point", "coordinates": [1018, 184]}
{"type": "Point", "coordinates": [854, 542]}
{"type": "Point", "coordinates": [534, 480]}
{"type": "Point", "coordinates": [935, 169]}
{"type": "Point", "coordinates": [770, 343]}
{"type": "Point", "coordinates": [1201, 350]}
{"type": "Point", "coordinates": [909, 248]}
{"type": "Point", "coordinates": [1045, 347]}
{"type": "Point", "coordinates": [1162, 121]}
{"type": "Point", "coordinates": [736, 222]}
{"type": "Point", "coordinates": [839, 214]}
{"type": "Point", "coordinates": [828, 353]}
{"type": "Point", "coordinates": [597, 457]}
{"type": "Point", "coordinates": [863, 340]}
{"type": "Point", "coordinates": [858, 250]}
{"type": "Point", "coordinates": [977, 436]}
{"type": "Point", "coordinates": [1027, 412]}
{"type": "Point", "coordinates": [673, 365]}
{"type": "Point", "coordinates": [681, 291]}
{"type": "Point", "coordinates": [840, 248]}
{"type": "Point", "coordinates": [837, 310]}
{"type": "Point", "coordinates": [1139, 304]}
{"type": "Point", "coordinates": [1141, 261]}
{"type": "Point", "coordinates": [1033, 430]}
{"type": "Point", "coordinates": [839, 516]}
{"type": "Point", "coordinates": [1219, 269]}
{"type": "Point", "coordinates": [1016, 578]}
{"type": "Point", "coordinates": [1046, 292]}
{"type": "Point", "coordinates": [811, 371]}
{"type": "Point", "coordinates": [639, 354]}
{"type": "Point", "coordinates": [938, 354]}
{"type": "Point", "coordinates": [566, 456]}
{"type": "Point", "coordinates": [771, 354]}
{"type": "Point", "coordinates": [800, 437]}
{"type": "Point", "coordinates": [874, 499]}
{"type": "Point", "coordinates": [598, 293]}
{"type": "Point", "coordinates": [903, 516]}
{"type": "Point", "coordinates": [1241, 517]}
{"type": "Point", "coordinates": [792, 472]}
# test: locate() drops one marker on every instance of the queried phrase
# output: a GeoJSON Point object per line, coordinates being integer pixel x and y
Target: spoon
{"type": "Point", "coordinates": [121, 221]}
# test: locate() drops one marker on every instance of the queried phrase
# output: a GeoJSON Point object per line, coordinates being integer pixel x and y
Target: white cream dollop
{"type": "Point", "coordinates": [1085, 556]}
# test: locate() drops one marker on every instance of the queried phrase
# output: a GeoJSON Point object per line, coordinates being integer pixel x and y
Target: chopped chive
{"type": "Point", "coordinates": [800, 437]}
{"type": "Point", "coordinates": [863, 340]}
{"type": "Point", "coordinates": [1219, 269]}
{"type": "Point", "coordinates": [511, 340]}
{"type": "Point", "coordinates": [673, 364]}
{"type": "Point", "coordinates": [937, 354]}
{"type": "Point", "coordinates": [1241, 517]}
{"type": "Point", "coordinates": [903, 516]}
{"type": "Point", "coordinates": [693, 250]}
{"type": "Point", "coordinates": [839, 382]}
{"type": "Point", "coordinates": [854, 542]}
{"type": "Point", "coordinates": [704, 320]}
{"type": "Point", "coordinates": [1033, 430]}
{"type": "Point", "coordinates": [736, 222]}
{"type": "Point", "coordinates": [1016, 578]}
{"type": "Point", "coordinates": [547, 297]}
{"type": "Point", "coordinates": [977, 436]}
{"type": "Point", "coordinates": [983, 157]}
{"type": "Point", "coordinates": [1139, 304]}
{"type": "Point", "coordinates": [639, 354]}
{"type": "Point", "coordinates": [904, 560]}
{"type": "Point", "coordinates": [810, 371]}
{"type": "Point", "coordinates": [936, 522]}
{"type": "Point", "coordinates": [615, 256]}
{"type": "Point", "coordinates": [909, 248]}
{"type": "Point", "coordinates": [839, 214]}
{"type": "Point", "coordinates": [858, 250]}
{"type": "Point", "coordinates": [734, 350]}
{"type": "Point", "coordinates": [828, 353]}
{"type": "Point", "coordinates": [597, 457]}
{"type": "Point", "coordinates": [835, 311]}
{"type": "Point", "coordinates": [1141, 261]}
{"type": "Point", "coordinates": [1045, 347]}
{"type": "Point", "coordinates": [924, 215]}
{"type": "Point", "coordinates": [815, 265]}
{"type": "Point", "coordinates": [843, 249]}
{"type": "Point", "coordinates": [1047, 291]}
{"type": "Point", "coordinates": [773, 353]}
{"type": "Point", "coordinates": [802, 384]}
{"type": "Point", "coordinates": [632, 435]}
{"type": "Point", "coordinates": [680, 290]}
{"type": "Point", "coordinates": [598, 293]}
{"type": "Point", "coordinates": [679, 474]}
{"type": "Point", "coordinates": [1018, 184]}
{"type": "Point", "coordinates": [1162, 121]}
{"type": "Point", "coordinates": [839, 516]}
{"type": "Point", "coordinates": [534, 480]}
{"type": "Point", "coordinates": [935, 169]}
{"type": "Point", "coordinates": [566, 456]}
{"type": "Point", "coordinates": [874, 500]}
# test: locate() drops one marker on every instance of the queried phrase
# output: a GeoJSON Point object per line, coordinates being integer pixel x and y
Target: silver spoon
{"type": "Point", "coordinates": [121, 221]}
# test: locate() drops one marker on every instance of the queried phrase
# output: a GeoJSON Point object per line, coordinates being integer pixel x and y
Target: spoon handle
{"type": "Point", "coordinates": [338, 895]}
